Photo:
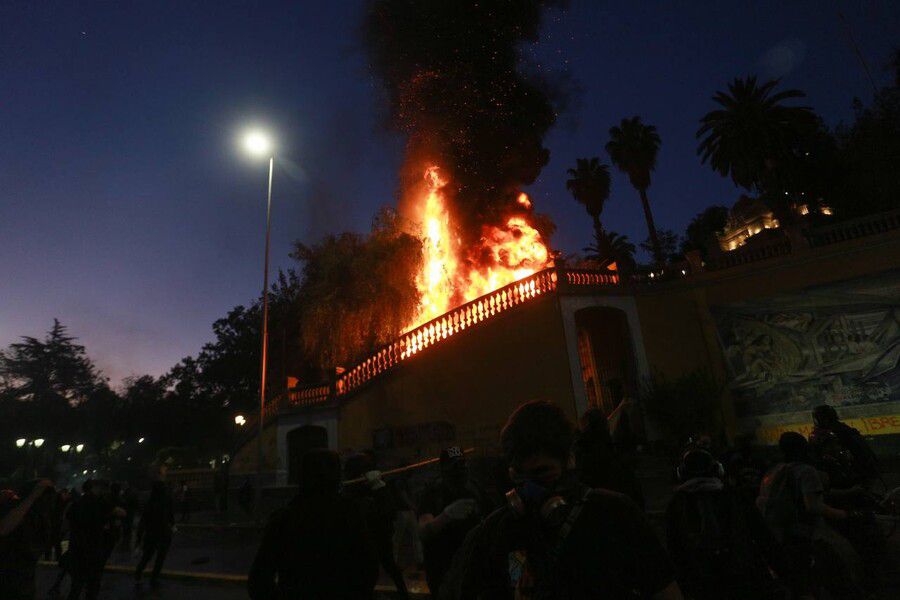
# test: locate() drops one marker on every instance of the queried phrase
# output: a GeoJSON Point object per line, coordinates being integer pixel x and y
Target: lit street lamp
{"type": "Point", "coordinates": [79, 447]}
{"type": "Point", "coordinates": [258, 144]}
{"type": "Point", "coordinates": [240, 420]}
{"type": "Point", "coordinates": [20, 442]}
{"type": "Point", "coordinates": [140, 440]}
{"type": "Point", "coordinates": [38, 442]}
{"type": "Point", "coordinates": [65, 447]}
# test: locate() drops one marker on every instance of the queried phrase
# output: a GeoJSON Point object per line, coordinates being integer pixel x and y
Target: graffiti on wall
{"type": "Point", "coordinates": [837, 344]}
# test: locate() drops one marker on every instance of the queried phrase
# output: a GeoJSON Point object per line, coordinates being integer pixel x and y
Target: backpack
{"type": "Point", "coordinates": [783, 512]}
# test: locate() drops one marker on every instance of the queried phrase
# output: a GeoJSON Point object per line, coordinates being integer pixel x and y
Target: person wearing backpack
{"type": "Point", "coordinates": [557, 538]}
{"type": "Point", "coordinates": [721, 549]}
{"type": "Point", "coordinates": [792, 503]}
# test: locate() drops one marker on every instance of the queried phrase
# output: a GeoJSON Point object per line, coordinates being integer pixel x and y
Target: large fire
{"type": "Point", "coordinates": [449, 277]}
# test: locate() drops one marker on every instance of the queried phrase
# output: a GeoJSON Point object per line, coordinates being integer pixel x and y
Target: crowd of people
{"type": "Point", "coordinates": [572, 524]}
{"type": "Point", "coordinates": [90, 525]}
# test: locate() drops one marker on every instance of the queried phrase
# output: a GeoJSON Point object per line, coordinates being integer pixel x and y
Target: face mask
{"type": "Point", "coordinates": [533, 498]}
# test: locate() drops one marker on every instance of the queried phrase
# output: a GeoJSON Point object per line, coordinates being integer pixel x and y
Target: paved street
{"type": "Point", "coordinates": [118, 586]}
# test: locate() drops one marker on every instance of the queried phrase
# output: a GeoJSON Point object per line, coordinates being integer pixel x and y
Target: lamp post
{"type": "Point", "coordinates": [259, 144]}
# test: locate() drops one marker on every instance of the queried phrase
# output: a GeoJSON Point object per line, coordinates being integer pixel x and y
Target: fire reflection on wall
{"type": "Point", "coordinates": [604, 350]}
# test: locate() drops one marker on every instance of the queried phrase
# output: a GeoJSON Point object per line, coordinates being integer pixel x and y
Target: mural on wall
{"type": "Point", "coordinates": [837, 344]}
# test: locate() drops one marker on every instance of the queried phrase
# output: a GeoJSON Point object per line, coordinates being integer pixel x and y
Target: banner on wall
{"type": "Point", "coordinates": [837, 344]}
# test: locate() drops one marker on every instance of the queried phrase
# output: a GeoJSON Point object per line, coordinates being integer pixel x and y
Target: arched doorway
{"type": "Point", "coordinates": [606, 356]}
{"type": "Point", "coordinates": [299, 442]}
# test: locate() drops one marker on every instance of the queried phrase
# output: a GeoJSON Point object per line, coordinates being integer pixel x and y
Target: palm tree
{"type": "Point", "coordinates": [610, 247]}
{"type": "Point", "coordinates": [589, 186]}
{"type": "Point", "coordinates": [633, 147]}
{"type": "Point", "coordinates": [753, 133]}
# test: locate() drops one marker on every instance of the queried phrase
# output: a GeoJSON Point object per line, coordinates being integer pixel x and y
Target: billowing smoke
{"type": "Point", "coordinates": [458, 88]}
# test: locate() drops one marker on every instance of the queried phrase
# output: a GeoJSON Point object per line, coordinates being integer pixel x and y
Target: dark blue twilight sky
{"type": "Point", "coordinates": [126, 212]}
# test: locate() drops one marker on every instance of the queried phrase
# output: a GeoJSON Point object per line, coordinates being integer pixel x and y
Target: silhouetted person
{"type": "Point", "coordinates": [25, 534]}
{"type": "Point", "coordinates": [379, 507]}
{"type": "Point", "coordinates": [447, 512]}
{"type": "Point", "coordinates": [841, 451]}
{"type": "Point", "coordinates": [317, 546]}
{"type": "Point", "coordinates": [90, 520]}
{"type": "Point", "coordinates": [792, 503]}
{"type": "Point", "coordinates": [597, 462]}
{"type": "Point", "coordinates": [130, 504]}
{"type": "Point", "coordinates": [557, 538]}
{"type": "Point", "coordinates": [743, 470]}
{"type": "Point", "coordinates": [719, 544]}
{"type": "Point", "coordinates": [155, 531]}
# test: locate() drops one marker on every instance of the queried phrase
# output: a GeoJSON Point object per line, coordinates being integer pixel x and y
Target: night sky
{"type": "Point", "coordinates": [127, 212]}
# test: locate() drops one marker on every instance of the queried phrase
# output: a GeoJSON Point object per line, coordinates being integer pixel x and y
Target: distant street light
{"type": "Point", "coordinates": [79, 447]}
{"type": "Point", "coordinates": [140, 440]}
{"type": "Point", "coordinates": [38, 442]}
{"type": "Point", "coordinates": [260, 145]}
{"type": "Point", "coordinates": [20, 442]}
{"type": "Point", "coordinates": [65, 447]}
{"type": "Point", "coordinates": [240, 420]}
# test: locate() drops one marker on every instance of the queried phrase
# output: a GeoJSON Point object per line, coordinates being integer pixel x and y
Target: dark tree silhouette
{"type": "Point", "coordinates": [753, 134]}
{"type": "Point", "coordinates": [589, 185]}
{"type": "Point", "coordinates": [610, 247]}
{"type": "Point", "coordinates": [703, 228]}
{"type": "Point", "coordinates": [633, 147]}
{"type": "Point", "coordinates": [668, 243]}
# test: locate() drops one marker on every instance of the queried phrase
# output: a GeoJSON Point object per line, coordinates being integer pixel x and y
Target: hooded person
{"type": "Point", "coordinates": [318, 546]}
{"type": "Point", "coordinates": [556, 537]}
{"type": "Point", "coordinates": [841, 451]}
{"type": "Point", "coordinates": [718, 543]}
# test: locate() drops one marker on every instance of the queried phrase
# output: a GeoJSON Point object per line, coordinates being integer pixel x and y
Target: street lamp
{"type": "Point", "coordinates": [140, 440]}
{"type": "Point", "coordinates": [65, 447]}
{"type": "Point", "coordinates": [240, 420]}
{"type": "Point", "coordinates": [79, 447]}
{"type": "Point", "coordinates": [20, 442]}
{"type": "Point", "coordinates": [260, 145]}
{"type": "Point", "coordinates": [38, 442]}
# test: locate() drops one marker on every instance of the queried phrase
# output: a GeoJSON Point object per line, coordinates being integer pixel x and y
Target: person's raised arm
{"type": "Point", "coordinates": [430, 525]}
{"type": "Point", "coordinates": [13, 519]}
{"type": "Point", "coordinates": [815, 504]}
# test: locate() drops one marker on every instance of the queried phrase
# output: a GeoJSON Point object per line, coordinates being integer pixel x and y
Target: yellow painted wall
{"type": "Point", "coordinates": [678, 328]}
{"type": "Point", "coordinates": [473, 380]}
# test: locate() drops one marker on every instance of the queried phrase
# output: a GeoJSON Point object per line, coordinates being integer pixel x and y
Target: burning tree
{"type": "Point", "coordinates": [358, 291]}
{"type": "Point", "coordinates": [474, 122]}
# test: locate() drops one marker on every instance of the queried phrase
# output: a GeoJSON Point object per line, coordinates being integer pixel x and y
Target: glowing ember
{"type": "Point", "coordinates": [452, 275]}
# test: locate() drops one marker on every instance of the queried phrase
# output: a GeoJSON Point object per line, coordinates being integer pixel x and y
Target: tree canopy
{"type": "Point", "coordinates": [358, 291]}
{"type": "Point", "coordinates": [589, 185]}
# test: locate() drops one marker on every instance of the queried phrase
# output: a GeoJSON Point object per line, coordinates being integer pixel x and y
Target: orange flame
{"type": "Point", "coordinates": [435, 281]}
{"type": "Point", "coordinates": [513, 251]}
